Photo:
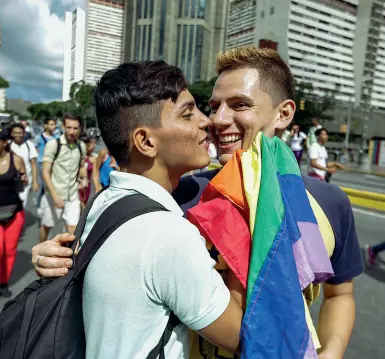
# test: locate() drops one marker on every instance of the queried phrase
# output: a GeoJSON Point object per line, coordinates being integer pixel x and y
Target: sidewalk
{"type": "Point", "coordinates": [373, 170]}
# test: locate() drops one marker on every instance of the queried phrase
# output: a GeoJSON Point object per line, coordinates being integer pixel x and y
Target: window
{"type": "Point", "coordinates": [162, 29]}
{"type": "Point", "coordinates": [262, 14]}
{"type": "Point", "coordinates": [272, 10]}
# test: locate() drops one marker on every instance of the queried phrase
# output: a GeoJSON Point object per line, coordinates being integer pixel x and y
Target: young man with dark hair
{"type": "Point", "coordinates": [26, 150]}
{"type": "Point", "coordinates": [255, 92]}
{"type": "Point", "coordinates": [157, 262]}
{"type": "Point", "coordinates": [63, 167]}
{"type": "Point", "coordinates": [40, 142]}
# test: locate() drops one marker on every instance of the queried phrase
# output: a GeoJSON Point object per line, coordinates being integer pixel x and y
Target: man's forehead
{"type": "Point", "coordinates": [241, 81]}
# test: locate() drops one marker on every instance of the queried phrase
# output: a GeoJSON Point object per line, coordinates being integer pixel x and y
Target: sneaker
{"type": "Point", "coordinates": [369, 255]}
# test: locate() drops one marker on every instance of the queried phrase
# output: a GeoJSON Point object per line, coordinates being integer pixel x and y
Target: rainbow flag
{"type": "Point", "coordinates": [257, 215]}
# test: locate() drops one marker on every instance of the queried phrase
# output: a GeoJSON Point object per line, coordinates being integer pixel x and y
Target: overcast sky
{"type": "Point", "coordinates": [31, 53]}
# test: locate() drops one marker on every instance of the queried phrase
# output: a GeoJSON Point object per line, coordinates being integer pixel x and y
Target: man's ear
{"type": "Point", "coordinates": [286, 111]}
{"type": "Point", "coordinates": [144, 141]}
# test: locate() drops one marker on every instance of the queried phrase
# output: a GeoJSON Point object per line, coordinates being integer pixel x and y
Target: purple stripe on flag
{"type": "Point", "coordinates": [311, 257]}
{"type": "Point", "coordinates": [311, 352]}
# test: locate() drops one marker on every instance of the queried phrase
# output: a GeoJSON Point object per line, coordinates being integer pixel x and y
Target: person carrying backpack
{"type": "Point", "coordinates": [40, 142]}
{"type": "Point", "coordinates": [63, 174]}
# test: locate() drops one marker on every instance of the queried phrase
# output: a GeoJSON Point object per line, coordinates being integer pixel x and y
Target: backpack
{"type": "Point", "coordinates": [45, 320]}
{"type": "Point", "coordinates": [58, 148]}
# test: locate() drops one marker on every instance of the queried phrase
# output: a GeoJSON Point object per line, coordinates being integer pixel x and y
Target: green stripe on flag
{"type": "Point", "coordinates": [270, 209]}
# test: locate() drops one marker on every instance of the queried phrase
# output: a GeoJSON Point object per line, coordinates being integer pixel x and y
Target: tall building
{"type": "Point", "coordinates": [316, 38]}
{"type": "Point", "coordinates": [93, 42]}
{"type": "Point", "coordinates": [185, 33]}
{"type": "Point", "coordinates": [241, 23]}
{"type": "Point", "coordinates": [2, 91]}
{"type": "Point", "coordinates": [370, 54]}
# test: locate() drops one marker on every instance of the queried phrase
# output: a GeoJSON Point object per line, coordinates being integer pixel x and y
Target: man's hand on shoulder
{"type": "Point", "coordinates": [51, 258]}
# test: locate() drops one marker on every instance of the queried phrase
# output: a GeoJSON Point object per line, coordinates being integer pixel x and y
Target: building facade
{"type": "Point", "coordinates": [185, 33]}
{"type": "Point", "coordinates": [241, 23]}
{"type": "Point", "coordinates": [370, 55]}
{"type": "Point", "coordinates": [316, 38]}
{"type": "Point", "coordinates": [93, 42]}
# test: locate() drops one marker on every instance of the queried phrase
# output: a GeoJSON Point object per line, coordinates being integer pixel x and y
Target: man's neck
{"type": "Point", "coordinates": [48, 133]}
{"type": "Point", "coordinates": [169, 183]}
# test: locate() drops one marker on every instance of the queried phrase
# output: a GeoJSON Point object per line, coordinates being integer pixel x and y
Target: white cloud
{"type": "Point", "coordinates": [32, 47]}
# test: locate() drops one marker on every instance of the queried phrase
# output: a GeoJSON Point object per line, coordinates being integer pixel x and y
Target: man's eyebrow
{"type": "Point", "coordinates": [187, 104]}
{"type": "Point", "coordinates": [233, 98]}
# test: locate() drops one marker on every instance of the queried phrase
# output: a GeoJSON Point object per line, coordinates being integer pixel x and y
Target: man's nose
{"type": "Point", "coordinates": [222, 118]}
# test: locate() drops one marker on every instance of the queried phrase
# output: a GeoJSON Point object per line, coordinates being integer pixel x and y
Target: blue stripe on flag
{"type": "Point", "coordinates": [294, 189]}
{"type": "Point", "coordinates": [274, 325]}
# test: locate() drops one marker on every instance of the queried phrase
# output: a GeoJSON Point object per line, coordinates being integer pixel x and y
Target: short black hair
{"type": "Point", "coordinates": [130, 96]}
{"type": "Point", "coordinates": [319, 131]}
{"type": "Point", "coordinates": [72, 116]}
{"type": "Point", "coordinates": [47, 119]}
{"type": "Point", "coordinates": [17, 125]}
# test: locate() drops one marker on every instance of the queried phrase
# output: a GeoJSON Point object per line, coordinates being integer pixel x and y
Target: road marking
{"type": "Point", "coordinates": [370, 176]}
{"type": "Point", "coordinates": [369, 213]}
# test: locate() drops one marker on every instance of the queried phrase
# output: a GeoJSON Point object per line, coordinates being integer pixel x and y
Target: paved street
{"type": "Point", "coordinates": [367, 340]}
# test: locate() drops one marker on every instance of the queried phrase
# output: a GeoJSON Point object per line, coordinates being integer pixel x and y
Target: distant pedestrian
{"type": "Point", "coordinates": [27, 151]}
{"type": "Point", "coordinates": [297, 142]}
{"type": "Point", "coordinates": [27, 129]}
{"type": "Point", "coordinates": [104, 165]}
{"type": "Point", "coordinates": [12, 175]}
{"type": "Point", "coordinates": [371, 252]}
{"type": "Point", "coordinates": [63, 171]}
{"type": "Point", "coordinates": [89, 163]}
{"type": "Point", "coordinates": [41, 140]}
{"type": "Point", "coordinates": [319, 166]}
{"type": "Point", "coordinates": [311, 136]}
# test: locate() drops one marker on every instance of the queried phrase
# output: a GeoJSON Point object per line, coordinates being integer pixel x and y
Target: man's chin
{"type": "Point", "coordinates": [224, 158]}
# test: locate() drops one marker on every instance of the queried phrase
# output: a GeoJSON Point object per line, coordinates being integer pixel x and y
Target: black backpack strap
{"type": "Point", "coordinates": [58, 143]}
{"type": "Point", "coordinates": [113, 217]}
{"type": "Point", "coordinates": [158, 351]}
{"type": "Point", "coordinates": [44, 139]}
{"type": "Point", "coordinates": [83, 218]}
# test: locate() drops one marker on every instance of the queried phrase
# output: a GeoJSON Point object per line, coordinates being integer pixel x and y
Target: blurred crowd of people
{"type": "Point", "coordinates": [60, 166]}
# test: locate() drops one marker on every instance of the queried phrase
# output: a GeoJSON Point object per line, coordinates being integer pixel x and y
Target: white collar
{"type": "Point", "coordinates": [149, 188]}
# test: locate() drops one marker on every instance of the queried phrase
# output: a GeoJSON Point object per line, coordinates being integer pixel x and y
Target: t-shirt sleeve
{"type": "Point", "coordinates": [303, 136]}
{"type": "Point", "coordinates": [32, 150]}
{"type": "Point", "coordinates": [50, 151]}
{"type": "Point", "coordinates": [184, 277]}
{"type": "Point", "coordinates": [313, 151]}
{"type": "Point", "coordinates": [346, 259]}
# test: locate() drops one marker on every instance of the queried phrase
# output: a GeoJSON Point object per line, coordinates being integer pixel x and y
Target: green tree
{"type": "Point", "coordinates": [314, 106]}
{"type": "Point", "coordinates": [81, 95]}
{"type": "Point", "coordinates": [202, 92]}
{"type": "Point", "coordinates": [3, 83]}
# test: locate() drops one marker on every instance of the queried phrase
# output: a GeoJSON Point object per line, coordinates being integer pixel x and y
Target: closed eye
{"type": "Point", "coordinates": [188, 116]}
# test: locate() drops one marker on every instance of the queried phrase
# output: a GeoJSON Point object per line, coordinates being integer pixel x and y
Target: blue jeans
{"type": "Point", "coordinates": [377, 248]}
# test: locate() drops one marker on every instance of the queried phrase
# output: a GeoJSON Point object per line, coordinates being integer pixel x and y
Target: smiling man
{"type": "Point", "coordinates": [255, 92]}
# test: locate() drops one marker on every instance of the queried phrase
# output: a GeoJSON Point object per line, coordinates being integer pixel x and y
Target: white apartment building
{"type": "Point", "coordinates": [74, 40]}
{"type": "Point", "coordinates": [241, 23]}
{"type": "Point", "coordinates": [316, 38]}
{"type": "Point", "coordinates": [93, 43]}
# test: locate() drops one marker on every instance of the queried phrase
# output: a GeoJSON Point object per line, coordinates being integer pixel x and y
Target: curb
{"type": "Point", "coordinates": [365, 199]}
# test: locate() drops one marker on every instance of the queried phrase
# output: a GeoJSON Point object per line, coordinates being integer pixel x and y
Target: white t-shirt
{"type": "Point", "coordinates": [152, 264]}
{"type": "Point", "coordinates": [319, 153]}
{"type": "Point", "coordinates": [27, 152]}
{"type": "Point", "coordinates": [297, 141]}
